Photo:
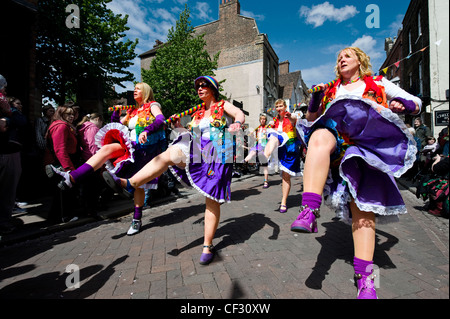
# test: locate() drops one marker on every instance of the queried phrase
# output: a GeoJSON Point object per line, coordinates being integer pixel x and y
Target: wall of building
{"type": "Point", "coordinates": [439, 60]}
{"type": "Point", "coordinates": [244, 84]}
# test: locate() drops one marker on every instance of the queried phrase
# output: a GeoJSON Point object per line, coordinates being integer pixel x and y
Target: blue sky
{"type": "Point", "coordinates": [308, 33]}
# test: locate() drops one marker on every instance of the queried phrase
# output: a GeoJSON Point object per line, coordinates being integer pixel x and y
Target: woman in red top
{"type": "Point", "coordinates": [62, 139]}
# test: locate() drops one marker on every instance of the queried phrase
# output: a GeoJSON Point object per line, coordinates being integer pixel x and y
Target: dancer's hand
{"type": "Point", "coordinates": [397, 107]}
{"type": "Point", "coordinates": [235, 127]}
{"type": "Point", "coordinates": [142, 138]}
{"type": "Point", "coordinates": [176, 121]}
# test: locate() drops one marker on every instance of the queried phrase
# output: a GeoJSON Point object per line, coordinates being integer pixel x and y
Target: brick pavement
{"type": "Point", "coordinates": [258, 256]}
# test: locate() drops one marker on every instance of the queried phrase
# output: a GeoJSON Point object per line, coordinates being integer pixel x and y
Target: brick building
{"type": "Point", "coordinates": [425, 73]}
{"type": "Point", "coordinates": [292, 88]}
{"type": "Point", "coordinates": [393, 48]}
{"type": "Point", "coordinates": [247, 61]}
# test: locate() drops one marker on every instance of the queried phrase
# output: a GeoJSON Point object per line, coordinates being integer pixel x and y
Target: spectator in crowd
{"type": "Point", "coordinates": [429, 151]}
{"type": "Point", "coordinates": [443, 141]}
{"type": "Point", "coordinates": [87, 128]}
{"type": "Point", "coordinates": [10, 164]}
{"type": "Point", "coordinates": [93, 191]}
{"type": "Point", "coordinates": [62, 153]}
{"type": "Point", "coordinates": [422, 131]}
{"type": "Point", "coordinates": [41, 126]}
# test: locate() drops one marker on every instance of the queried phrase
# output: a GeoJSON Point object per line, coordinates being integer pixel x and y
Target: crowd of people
{"type": "Point", "coordinates": [344, 167]}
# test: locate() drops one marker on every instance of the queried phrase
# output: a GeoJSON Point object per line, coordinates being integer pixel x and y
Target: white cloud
{"type": "Point", "coordinates": [203, 11]}
{"type": "Point", "coordinates": [396, 25]}
{"type": "Point", "coordinates": [148, 23]}
{"type": "Point", "coordinates": [257, 17]}
{"type": "Point", "coordinates": [319, 74]}
{"type": "Point", "coordinates": [369, 46]}
{"type": "Point", "coordinates": [318, 14]}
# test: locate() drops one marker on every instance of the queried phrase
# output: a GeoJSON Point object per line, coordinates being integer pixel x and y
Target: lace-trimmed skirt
{"type": "Point", "coordinates": [205, 168]}
{"type": "Point", "coordinates": [373, 147]}
{"type": "Point", "coordinates": [135, 155]}
{"type": "Point", "coordinates": [289, 154]}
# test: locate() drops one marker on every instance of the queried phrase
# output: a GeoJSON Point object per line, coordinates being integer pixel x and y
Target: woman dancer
{"type": "Point", "coordinates": [260, 134]}
{"type": "Point", "coordinates": [351, 128]}
{"type": "Point", "coordinates": [283, 137]}
{"type": "Point", "coordinates": [126, 145]}
{"type": "Point", "coordinates": [201, 158]}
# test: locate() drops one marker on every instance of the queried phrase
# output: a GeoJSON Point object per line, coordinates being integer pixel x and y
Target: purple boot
{"type": "Point", "coordinates": [366, 286]}
{"type": "Point", "coordinates": [306, 220]}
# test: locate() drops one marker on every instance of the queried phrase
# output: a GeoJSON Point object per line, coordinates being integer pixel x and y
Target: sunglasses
{"type": "Point", "coordinates": [202, 85]}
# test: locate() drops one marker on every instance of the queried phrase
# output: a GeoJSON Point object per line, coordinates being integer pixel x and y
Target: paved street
{"type": "Point", "coordinates": [259, 257]}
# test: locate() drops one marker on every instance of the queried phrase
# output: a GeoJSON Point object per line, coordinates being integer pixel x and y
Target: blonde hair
{"type": "Point", "coordinates": [365, 69]}
{"type": "Point", "coordinates": [280, 101]}
{"type": "Point", "coordinates": [147, 92]}
{"type": "Point", "coordinates": [89, 117]}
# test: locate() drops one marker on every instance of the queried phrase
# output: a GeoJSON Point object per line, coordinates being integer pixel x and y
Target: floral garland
{"type": "Point", "coordinates": [287, 125]}
{"type": "Point", "coordinates": [373, 91]}
{"type": "Point", "coordinates": [216, 117]}
{"type": "Point", "coordinates": [145, 117]}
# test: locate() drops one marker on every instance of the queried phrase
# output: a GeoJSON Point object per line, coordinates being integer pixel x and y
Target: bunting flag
{"type": "Point", "coordinates": [397, 64]}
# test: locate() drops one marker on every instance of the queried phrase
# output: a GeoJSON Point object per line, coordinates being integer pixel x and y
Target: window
{"type": "Point", "coordinates": [421, 78]}
{"type": "Point", "coordinates": [410, 80]}
{"type": "Point", "coordinates": [409, 42]}
{"type": "Point", "coordinates": [274, 74]}
{"type": "Point", "coordinates": [419, 26]}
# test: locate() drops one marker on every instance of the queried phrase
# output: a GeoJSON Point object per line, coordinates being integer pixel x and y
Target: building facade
{"type": "Point", "coordinates": [247, 62]}
{"type": "Point", "coordinates": [393, 48]}
{"type": "Point", "coordinates": [425, 73]}
{"type": "Point", "coordinates": [293, 89]}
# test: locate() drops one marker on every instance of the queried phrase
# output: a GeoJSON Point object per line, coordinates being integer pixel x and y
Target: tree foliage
{"type": "Point", "coordinates": [177, 64]}
{"type": "Point", "coordinates": [94, 51]}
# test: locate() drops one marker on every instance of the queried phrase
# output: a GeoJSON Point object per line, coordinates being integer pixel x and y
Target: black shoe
{"type": "Point", "coordinates": [115, 185]}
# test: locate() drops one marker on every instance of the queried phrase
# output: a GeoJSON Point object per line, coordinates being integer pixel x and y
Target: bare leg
{"type": "Point", "coordinates": [317, 163]}
{"type": "Point", "coordinates": [250, 155]}
{"type": "Point", "coordinates": [105, 153]}
{"type": "Point", "coordinates": [95, 162]}
{"type": "Point", "coordinates": [286, 187]}
{"type": "Point", "coordinates": [158, 165]}
{"type": "Point", "coordinates": [212, 218]}
{"type": "Point", "coordinates": [363, 229]}
{"type": "Point", "coordinates": [139, 197]}
{"type": "Point", "coordinates": [271, 145]}
{"type": "Point", "coordinates": [266, 173]}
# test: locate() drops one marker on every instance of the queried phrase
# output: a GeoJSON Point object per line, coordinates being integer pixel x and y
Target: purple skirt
{"type": "Point", "coordinates": [376, 148]}
{"type": "Point", "coordinates": [205, 170]}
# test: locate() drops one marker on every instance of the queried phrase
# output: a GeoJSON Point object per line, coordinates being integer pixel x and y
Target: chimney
{"type": "Point", "coordinates": [229, 9]}
{"type": "Point", "coordinates": [284, 67]}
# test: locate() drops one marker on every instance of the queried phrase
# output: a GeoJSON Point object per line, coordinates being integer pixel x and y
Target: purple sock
{"type": "Point", "coordinates": [362, 267]}
{"type": "Point", "coordinates": [137, 212]}
{"type": "Point", "coordinates": [312, 200]}
{"type": "Point", "coordinates": [81, 172]}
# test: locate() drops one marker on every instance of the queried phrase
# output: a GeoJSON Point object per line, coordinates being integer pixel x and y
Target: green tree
{"type": "Point", "coordinates": [93, 51]}
{"type": "Point", "coordinates": [177, 63]}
